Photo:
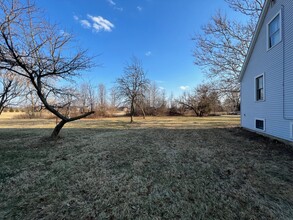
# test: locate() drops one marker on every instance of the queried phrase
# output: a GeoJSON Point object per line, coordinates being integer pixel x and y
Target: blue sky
{"type": "Point", "coordinates": [158, 32]}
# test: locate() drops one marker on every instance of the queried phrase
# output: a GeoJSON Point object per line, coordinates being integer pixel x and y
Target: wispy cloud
{"type": "Point", "coordinates": [85, 23]}
{"type": "Point", "coordinates": [75, 17]}
{"type": "Point", "coordinates": [184, 88]}
{"type": "Point", "coordinates": [118, 8]}
{"type": "Point", "coordinates": [149, 53]}
{"type": "Point", "coordinates": [101, 24]}
{"type": "Point", "coordinates": [96, 23]}
{"type": "Point", "coordinates": [111, 2]}
{"type": "Point", "coordinates": [114, 5]}
{"type": "Point", "coordinates": [139, 8]}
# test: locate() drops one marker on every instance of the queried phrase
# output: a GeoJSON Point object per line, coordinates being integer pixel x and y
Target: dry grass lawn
{"type": "Point", "coordinates": [158, 168]}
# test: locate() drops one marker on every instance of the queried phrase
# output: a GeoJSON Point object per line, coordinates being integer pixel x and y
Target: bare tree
{"type": "Point", "coordinates": [39, 52]}
{"type": "Point", "coordinates": [171, 101]}
{"type": "Point", "coordinates": [102, 95]}
{"type": "Point", "coordinates": [92, 96]}
{"type": "Point", "coordinates": [67, 102]}
{"type": "Point", "coordinates": [32, 101]}
{"type": "Point", "coordinates": [87, 97]}
{"type": "Point", "coordinates": [155, 100]}
{"type": "Point", "coordinates": [223, 46]}
{"type": "Point", "coordinates": [114, 98]}
{"type": "Point", "coordinates": [201, 100]}
{"type": "Point", "coordinates": [132, 85]}
{"type": "Point", "coordinates": [231, 103]}
{"type": "Point", "coordinates": [84, 98]}
{"type": "Point", "coordinates": [247, 7]}
{"type": "Point", "coordinates": [11, 87]}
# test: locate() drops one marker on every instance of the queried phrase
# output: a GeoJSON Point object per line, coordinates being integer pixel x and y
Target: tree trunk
{"type": "Point", "coordinates": [131, 112]}
{"type": "Point", "coordinates": [58, 128]}
{"type": "Point", "coordinates": [64, 120]}
{"type": "Point", "coordinates": [143, 113]}
{"type": "Point", "coordinates": [142, 110]}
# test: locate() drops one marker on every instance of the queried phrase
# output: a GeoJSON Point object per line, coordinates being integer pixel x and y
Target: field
{"type": "Point", "coordinates": [158, 168]}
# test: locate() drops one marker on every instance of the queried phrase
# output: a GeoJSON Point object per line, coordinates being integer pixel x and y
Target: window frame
{"type": "Point", "coordinates": [268, 30]}
{"type": "Point", "coordinates": [255, 88]}
{"type": "Point", "coordinates": [264, 124]}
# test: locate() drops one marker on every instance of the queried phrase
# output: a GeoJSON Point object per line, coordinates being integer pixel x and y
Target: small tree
{"type": "Point", "coordinates": [11, 87]}
{"type": "Point", "coordinates": [39, 52]}
{"type": "Point", "coordinates": [201, 101]}
{"type": "Point", "coordinates": [114, 98]}
{"type": "Point", "coordinates": [155, 100]}
{"type": "Point", "coordinates": [132, 85]}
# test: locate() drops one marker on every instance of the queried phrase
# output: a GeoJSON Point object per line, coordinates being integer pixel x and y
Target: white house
{"type": "Point", "coordinates": [267, 74]}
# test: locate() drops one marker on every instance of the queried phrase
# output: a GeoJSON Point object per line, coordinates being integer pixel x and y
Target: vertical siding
{"type": "Point", "coordinates": [270, 62]}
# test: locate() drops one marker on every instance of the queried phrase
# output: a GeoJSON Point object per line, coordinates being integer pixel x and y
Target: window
{"type": "Point", "coordinates": [274, 31]}
{"type": "Point", "coordinates": [260, 124]}
{"type": "Point", "coordinates": [259, 88]}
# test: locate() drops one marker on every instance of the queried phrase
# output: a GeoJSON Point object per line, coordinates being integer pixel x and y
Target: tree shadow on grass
{"type": "Point", "coordinates": [217, 173]}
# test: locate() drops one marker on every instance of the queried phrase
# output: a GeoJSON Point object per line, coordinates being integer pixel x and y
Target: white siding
{"type": "Point", "coordinates": [288, 60]}
{"type": "Point", "coordinates": [270, 62]}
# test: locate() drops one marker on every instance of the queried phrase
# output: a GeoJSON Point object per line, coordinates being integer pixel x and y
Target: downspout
{"type": "Point", "coordinates": [284, 64]}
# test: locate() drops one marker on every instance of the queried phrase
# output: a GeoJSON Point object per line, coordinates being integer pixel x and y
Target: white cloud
{"type": "Point", "coordinates": [111, 2]}
{"type": "Point", "coordinates": [75, 17]}
{"type": "Point", "coordinates": [114, 5]}
{"type": "Point", "coordinates": [97, 23]}
{"type": "Point", "coordinates": [100, 23]}
{"type": "Point", "coordinates": [149, 53]}
{"type": "Point", "coordinates": [184, 88]}
{"type": "Point", "coordinates": [85, 23]}
{"type": "Point", "coordinates": [139, 8]}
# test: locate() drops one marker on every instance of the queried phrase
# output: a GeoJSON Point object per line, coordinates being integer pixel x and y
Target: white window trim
{"type": "Point", "coordinates": [264, 89]}
{"type": "Point", "coordinates": [264, 124]}
{"type": "Point", "coordinates": [291, 130]}
{"type": "Point", "coordinates": [268, 32]}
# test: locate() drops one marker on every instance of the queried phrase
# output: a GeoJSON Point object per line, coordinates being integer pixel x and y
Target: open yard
{"type": "Point", "coordinates": [158, 168]}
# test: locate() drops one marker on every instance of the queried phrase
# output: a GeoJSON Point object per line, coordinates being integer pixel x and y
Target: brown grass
{"type": "Point", "coordinates": [160, 168]}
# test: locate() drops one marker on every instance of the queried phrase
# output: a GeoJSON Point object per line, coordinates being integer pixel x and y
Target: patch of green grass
{"type": "Point", "coordinates": [160, 168]}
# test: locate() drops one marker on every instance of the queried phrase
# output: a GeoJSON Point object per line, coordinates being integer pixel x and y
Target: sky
{"type": "Point", "coordinates": [157, 32]}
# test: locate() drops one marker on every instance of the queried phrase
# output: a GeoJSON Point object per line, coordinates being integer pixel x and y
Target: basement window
{"type": "Point", "coordinates": [260, 124]}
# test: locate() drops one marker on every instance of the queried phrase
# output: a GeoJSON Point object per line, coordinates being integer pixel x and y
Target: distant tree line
{"type": "Point", "coordinates": [132, 93]}
{"type": "Point", "coordinates": [35, 56]}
